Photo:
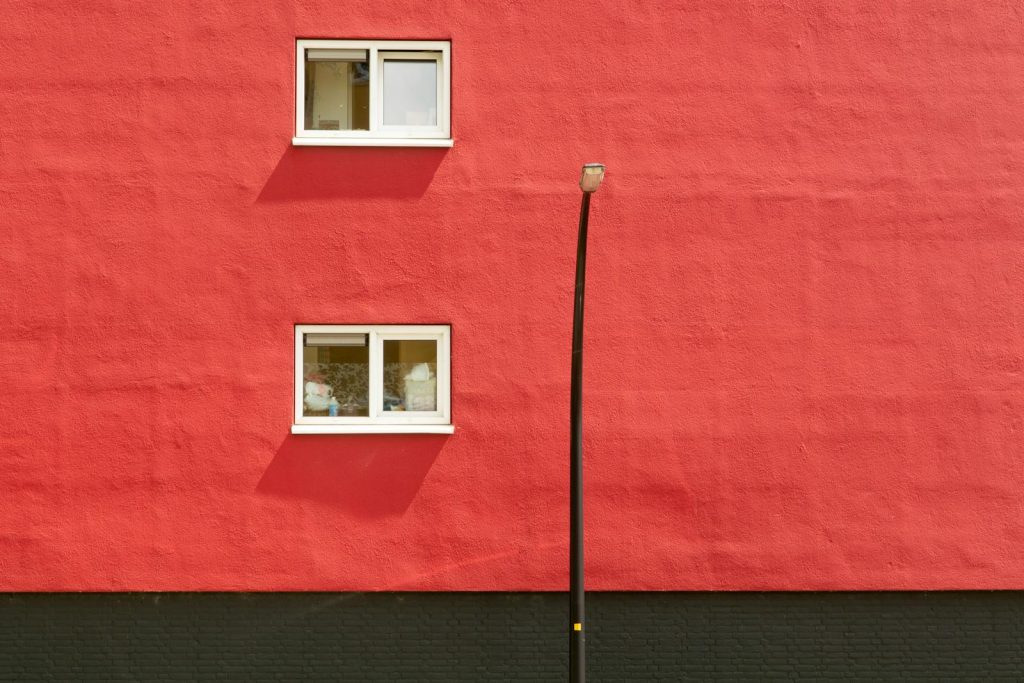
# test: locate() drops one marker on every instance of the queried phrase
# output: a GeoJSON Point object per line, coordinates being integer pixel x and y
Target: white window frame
{"type": "Point", "coordinates": [379, 135]}
{"type": "Point", "coordinates": [380, 421]}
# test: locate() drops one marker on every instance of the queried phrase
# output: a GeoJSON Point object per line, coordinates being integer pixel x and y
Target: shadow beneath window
{"type": "Point", "coordinates": [352, 173]}
{"type": "Point", "coordinates": [373, 475]}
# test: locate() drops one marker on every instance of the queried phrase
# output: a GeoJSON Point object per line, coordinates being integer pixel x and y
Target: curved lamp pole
{"type": "Point", "coordinates": [592, 176]}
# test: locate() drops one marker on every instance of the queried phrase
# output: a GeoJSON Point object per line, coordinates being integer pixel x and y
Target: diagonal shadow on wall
{"type": "Point", "coordinates": [372, 475]}
{"type": "Point", "coordinates": [352, 173]}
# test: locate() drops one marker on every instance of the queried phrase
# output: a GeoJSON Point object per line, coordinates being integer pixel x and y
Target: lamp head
{"type": "Point", "coordinates": [592, 176]}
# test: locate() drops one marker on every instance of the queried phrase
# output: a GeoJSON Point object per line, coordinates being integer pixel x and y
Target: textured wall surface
{"type": "Point", "coordinates": [805, 341]}
{"type": "Point", "coordinates": [511, 637]}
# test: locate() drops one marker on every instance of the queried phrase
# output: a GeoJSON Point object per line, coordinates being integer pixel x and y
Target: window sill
{"type": "Point", "coordinates": [373, 142]}
{"type": "Point", "coordinates": [373, 429]}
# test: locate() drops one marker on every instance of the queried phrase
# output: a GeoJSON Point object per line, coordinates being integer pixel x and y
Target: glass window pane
{"type": "Point", "coordinates": [410, 375]}
{"type": "Point", "coordinates": [336, 376]}
{"type": "Point", "coordinates": [337, 90]}
{"type": "Point", "coordinates": [410, 92]}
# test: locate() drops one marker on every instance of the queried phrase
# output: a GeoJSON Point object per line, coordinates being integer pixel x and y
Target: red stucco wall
{"type": "Point", "coordinates": [805, 341]}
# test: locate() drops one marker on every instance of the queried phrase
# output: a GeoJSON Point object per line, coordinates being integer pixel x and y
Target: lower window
{"type": "Point", "coordinates": [372, 379]}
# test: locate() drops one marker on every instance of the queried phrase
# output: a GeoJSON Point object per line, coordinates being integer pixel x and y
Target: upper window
{"type": "Point", "coordinates": [373, 92]}
{"type": "Point", "coordinates": [372, 378]}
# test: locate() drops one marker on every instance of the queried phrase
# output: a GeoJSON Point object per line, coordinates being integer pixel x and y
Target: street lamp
{"type": "Point", "coordinates": [592, 176]}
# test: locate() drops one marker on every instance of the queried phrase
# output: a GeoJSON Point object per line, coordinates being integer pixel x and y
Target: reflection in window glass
{"type": "Point", "coordinates": [337, 90]}
{"type": "Point", "coordinates": [336, 375]}
{"type": "Point", "coordinates": [410, 375]}
{"type": "Point", "coordinates": [410, 92]}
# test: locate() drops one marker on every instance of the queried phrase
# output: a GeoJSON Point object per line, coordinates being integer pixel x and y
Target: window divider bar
{"type": "Point", "coordinates": [444, 376]}
{"type": "Point", "coordinates": [376, 116]}
{"type": "Point", "coordinates": [446, 89]}
{"type": "Point", "coordinates": [376, 376]}
{"type": "Point", "coordinates": [299, 380]}
{"type": "Point", "coordinates": [300, 87]}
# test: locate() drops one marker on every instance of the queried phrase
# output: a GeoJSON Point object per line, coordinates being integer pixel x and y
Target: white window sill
{"type": "Point", "coordinates": [373, 142]}
{"type": "Point", "coordinates": [373, 429]}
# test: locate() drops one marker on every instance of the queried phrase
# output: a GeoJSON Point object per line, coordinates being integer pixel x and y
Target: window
{"type": "Point", "coordinates": [373, 93]}
{"type": "Point", "coordinates": [372, 379]}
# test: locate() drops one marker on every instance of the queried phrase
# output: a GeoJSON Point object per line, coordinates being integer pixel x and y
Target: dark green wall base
{"type": "Point", "coordinates": [509, 636]}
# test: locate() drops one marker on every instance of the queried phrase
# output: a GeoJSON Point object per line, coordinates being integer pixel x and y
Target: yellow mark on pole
{"type": "Point", "coordinates": [577, 627]}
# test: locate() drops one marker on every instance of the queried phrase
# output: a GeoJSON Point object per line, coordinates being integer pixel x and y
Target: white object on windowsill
{"type": "Point", "coordinates": [421, 389]}
{"type": "Point", "coordinates": [318, 396]}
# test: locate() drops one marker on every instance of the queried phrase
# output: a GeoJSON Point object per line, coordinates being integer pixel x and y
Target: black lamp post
{"type": "Point", "coordinates": [592, 176]}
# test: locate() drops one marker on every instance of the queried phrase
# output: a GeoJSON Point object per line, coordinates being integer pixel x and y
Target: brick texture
{"type": "Point", "coordinates": [509, 636]}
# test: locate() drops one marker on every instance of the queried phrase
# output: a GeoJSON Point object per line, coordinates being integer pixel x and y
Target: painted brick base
{"type": "Point", "coordinates": [509, 636]}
